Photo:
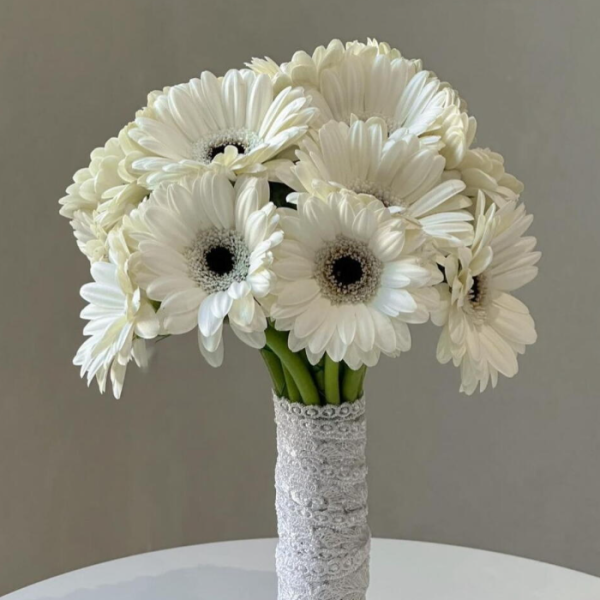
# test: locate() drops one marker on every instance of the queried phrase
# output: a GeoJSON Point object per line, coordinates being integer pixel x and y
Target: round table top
{"type": "Point", "coordinates": [245, 570]}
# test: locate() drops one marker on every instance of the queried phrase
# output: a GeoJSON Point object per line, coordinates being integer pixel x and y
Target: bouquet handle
{"type": "Point", "coordinates": [321, 501]}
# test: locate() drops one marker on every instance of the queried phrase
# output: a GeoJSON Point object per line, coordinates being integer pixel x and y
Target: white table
{"type": "Point", "coordinates": [245, 571]}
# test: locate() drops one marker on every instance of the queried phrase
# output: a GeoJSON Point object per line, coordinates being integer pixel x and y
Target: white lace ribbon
{"type": "Point", "coordinates": [320, 479]}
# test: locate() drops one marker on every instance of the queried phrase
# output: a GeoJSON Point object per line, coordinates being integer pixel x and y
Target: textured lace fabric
{"type": "Point", "coordinates": [320, 480]}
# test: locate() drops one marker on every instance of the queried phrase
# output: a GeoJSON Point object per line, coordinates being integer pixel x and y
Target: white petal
{"type": "Point", "coordinates": [254, 339]}
{"type": "Point", "coordinates": [238, 289]}
{"type": "Point", "coordinates": [298, 292]}
{"type": "Point", "coordinates": [221, 303]}
{"type": "Point", "coordinates": [208, 321]}
{"type": "Point", "coordinates": [163, 287]}
{"type": "Point", "coordinates": [242, 311]}
{"type": "Point", "coordinates": [498, 352]}
{"type": "Point", "coordinates": [214, 359]}
{"type": "Point", "coordinates": [436, 197]}
{"type": "Point", "coordinates": [365, 225]}
{"type": "Point", "coordinates": [513, 280]}
{"type": "Point", "coordinates": [181, 301]}
{"type": "Point", "coordinates": [391, 302]}
{"type": "Point", "coordinates": [385, 336]}
{"type": "Point", "coordinates": [320, 338]}
{"type": "Point", "coordinates": [387, 244]}
{"type": "Point", "coordinates": [312, 318]}
{"type": "Point", "coordinates": [336, 349]}
{"type": "Point", "coordinates": [365, 328]}
{"type": "Point", "coordinates": [180, 322]}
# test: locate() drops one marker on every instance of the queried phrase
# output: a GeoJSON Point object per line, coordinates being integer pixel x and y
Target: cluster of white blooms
{"type": "Point", "coordinates": [388, 217]}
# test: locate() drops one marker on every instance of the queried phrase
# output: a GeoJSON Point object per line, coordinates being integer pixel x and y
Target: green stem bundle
{"type": "Point", "coordinates": [332, 381]}
{"type": "Point", "coordinates": [294, 378]}
{"type": "Point", "coordinates": [352, 383]}
{"type": "Point", "coordinates": [275, 371]}
{"type": "Point", "coordinates": [293, 393]}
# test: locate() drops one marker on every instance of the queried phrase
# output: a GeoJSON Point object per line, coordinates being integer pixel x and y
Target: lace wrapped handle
{"type": "Point", "coordinates": [320, 480]}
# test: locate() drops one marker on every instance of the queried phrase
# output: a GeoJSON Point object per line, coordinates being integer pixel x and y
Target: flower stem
{"type": "Point", "coordinates": [292, 389]}
{"type": "Point", "coordinates": [362, 381]}
{"type": "Point", "coordinates": [332, 381]}
{"type": "Point", "coordinates": [277, 343]}
{"type": "Point", "coordinates": [275, 370]}
{"type": "Point", "coordinates": [352, 382]}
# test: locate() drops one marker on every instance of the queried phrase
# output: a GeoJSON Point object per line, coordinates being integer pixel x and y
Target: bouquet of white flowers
{"type": "Point", "coordinates": [318, 207]}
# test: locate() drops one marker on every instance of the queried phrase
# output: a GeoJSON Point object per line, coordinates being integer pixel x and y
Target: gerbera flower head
{"type": "Point", "coordinates": [206, 253]}
{"type": "Point", "coordinates": [483, 170]}
{"type": "Point", "coordinates": [485, 326]}
{"type": "Point", "coordinates": [92, 238]}
{"type": "Point", "coordinates": [398, 169]}
{"type": "Point", "coordinates": [349, 281]}
{"type": "Point", "coordinates": [304, 69]}
{"type": "Point", "coordinates": [234, 124]}
{"type": "Point", "coordinates": [103, 193]}
{"type": "Point", "coordinates": [322, 204]}
{"type": "Point", "coordinates": [372, 80]}
{"type": "Point", "coordinates": [120, 320]}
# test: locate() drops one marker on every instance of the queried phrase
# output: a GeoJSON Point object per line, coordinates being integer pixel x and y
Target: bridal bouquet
{"type": "Point", "coordinates": [317, 207]}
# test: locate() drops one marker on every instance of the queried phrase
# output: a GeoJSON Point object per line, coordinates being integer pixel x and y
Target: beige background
{"type": "Point", "coordinates": [187, 455]}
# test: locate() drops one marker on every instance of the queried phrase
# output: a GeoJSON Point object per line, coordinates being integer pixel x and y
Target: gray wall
{"type": "Point", "coordinates": [187, 455]}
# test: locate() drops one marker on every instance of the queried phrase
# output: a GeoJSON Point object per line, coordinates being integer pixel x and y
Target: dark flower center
{"type": "Point", "coordinates": [443, 271]}
{"type": "Point", "coordinates": [347, 270]}
{"type": "Point", "coordinates": [476, 290]}
{"type": "Point", "coordinates": [219, 260]}
{"type": "Point", "coordinates": [221, 149]}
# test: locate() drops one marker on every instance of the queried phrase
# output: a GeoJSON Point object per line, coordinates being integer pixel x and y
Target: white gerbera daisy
{"type": "Point", "coordinates": [485, 327]}
{"type": "Point", "coordinates": [304, 70]}
{"type": "Point", "coordinates": [372, 45]}
{"type": "Point", "coordinates": [368, 85]}
{"type": "Point", "coordinates": [455, 128]}
{"type": "Point", "coordinates": [90, 235]}
{"type": "Point", "coordinates": [207, 255]}
{"type": "Point", "coordinates": [103, 193]}
{"type": "Point", "coordinates": [363, 81]}
{"type": "Point", "coordinates": [483, 170]}
{"type": "Point", "coordinates": [398, 170]}
{"type": "Point", "coordinates": [120, 319]}
{"type": "Point", "coordinates": [348, 280]}
{"type": "Point", "coordinates": [235, 124]}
